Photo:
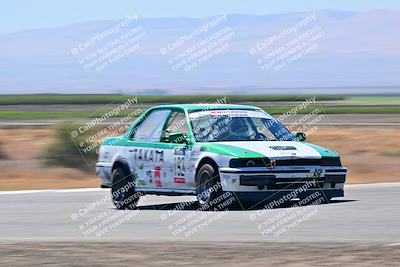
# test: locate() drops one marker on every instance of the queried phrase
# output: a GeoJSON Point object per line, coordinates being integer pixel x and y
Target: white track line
{"type": "Point", "coordinates": [51, 191]}
{"type": "Point", "coordinates": [373, 185]}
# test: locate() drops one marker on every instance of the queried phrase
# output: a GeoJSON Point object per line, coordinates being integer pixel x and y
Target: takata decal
{"type": "Point", "coordinates": [148, 155]}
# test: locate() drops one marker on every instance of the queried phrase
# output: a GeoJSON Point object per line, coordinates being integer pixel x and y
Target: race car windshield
{"type": "Point", "coordinates": [237, 125]}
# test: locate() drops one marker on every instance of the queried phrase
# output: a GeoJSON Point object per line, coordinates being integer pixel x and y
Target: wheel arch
{"type": "Point", "coordinates": [206, 160]}
{"type": "Point", "coordinates": [121, 163]}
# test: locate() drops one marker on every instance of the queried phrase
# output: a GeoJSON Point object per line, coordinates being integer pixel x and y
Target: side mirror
{"type": "Point", "coordinates": [177, 138]}
{"type": "Point", "coordinates": [301, 137]}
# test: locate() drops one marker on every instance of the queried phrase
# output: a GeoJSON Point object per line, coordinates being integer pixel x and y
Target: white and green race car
{"type": "Point", "coordinates": [207, 150]}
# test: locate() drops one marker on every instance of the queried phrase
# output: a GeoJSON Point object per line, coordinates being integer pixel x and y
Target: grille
{"type": "Point", "coordinates": [298, 162]}
{"type": "Point", "coordinates": [265, 162]}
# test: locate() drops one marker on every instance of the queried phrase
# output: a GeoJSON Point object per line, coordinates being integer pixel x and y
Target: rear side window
{"type": "Point", "coordinates": [151, 127]}
{"type": "Point", "coordinates": [177, 123]}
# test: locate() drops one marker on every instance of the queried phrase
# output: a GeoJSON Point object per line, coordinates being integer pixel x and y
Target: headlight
{"type": "Point", "coordinates": [243, 163]}
{"type": "Point", "coordinates": [331, 161]}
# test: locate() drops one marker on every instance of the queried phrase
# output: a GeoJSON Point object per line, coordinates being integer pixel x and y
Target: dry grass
{"type": "Point", "coordinates": [196, 254]}
{"type": "Point", "coordinates": [371, 155]}
{"type": "Point", "coordinates": [2, 154]}
{"type": "Point", "coordinates": [24, 168]}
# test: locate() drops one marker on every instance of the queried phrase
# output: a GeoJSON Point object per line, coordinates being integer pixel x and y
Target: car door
{"type": "Point", "coordinates": [146, 154]}
{"type": "Point", "coordinates": [177, 154]}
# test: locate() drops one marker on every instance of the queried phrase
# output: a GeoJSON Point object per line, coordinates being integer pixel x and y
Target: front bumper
{"type": "Point", "coordinates": [281, 179]}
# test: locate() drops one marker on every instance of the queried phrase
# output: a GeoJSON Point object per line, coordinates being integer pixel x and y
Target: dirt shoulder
{"type": "Point", "coordinates": [371, 154]}
{"type": "Point", "coordinates": [196, 254]}
{"type": "Point", "coordinates": [22, 166]}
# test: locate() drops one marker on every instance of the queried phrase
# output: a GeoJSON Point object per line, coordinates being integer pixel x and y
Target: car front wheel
{"type": "Point", "coordinates": [208, 187]}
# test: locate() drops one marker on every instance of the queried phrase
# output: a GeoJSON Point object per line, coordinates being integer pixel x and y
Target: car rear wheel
{"type": "Point", "coordinates": [123, 190]}
{"type": "Point", "coordinates": [208, 187]}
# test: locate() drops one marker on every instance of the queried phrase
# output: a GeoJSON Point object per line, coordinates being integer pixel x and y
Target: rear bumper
{"type": "Point", "coordinates": [103, 171]}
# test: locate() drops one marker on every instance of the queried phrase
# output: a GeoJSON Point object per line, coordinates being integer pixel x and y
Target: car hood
{"type": "Point", "coordinates": [270, 149]}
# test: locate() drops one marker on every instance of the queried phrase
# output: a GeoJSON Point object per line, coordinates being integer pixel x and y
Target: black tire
{"type": "Point", "coordinates": [123, 190]}
{"type": "Point", "coordinates": [208, 187]}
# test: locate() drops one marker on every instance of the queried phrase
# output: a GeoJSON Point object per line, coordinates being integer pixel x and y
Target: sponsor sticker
{"type": "Point", "coordinates": [229, 113]}
{"type": "Point", "coordinates": [157, 176]}
{"type": "Point", "coordinates": [283, 147]}
{"type": "Point", "coordinates": [179, 180]}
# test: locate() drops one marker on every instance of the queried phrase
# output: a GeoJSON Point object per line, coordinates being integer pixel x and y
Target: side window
{"type": "Point", "coordinates": [177, 123]}
{"type": "Point", "coordinates": [151, 127]}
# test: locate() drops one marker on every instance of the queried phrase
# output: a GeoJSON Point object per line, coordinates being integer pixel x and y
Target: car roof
{"type": "Point", "coordinates": [203, 106]}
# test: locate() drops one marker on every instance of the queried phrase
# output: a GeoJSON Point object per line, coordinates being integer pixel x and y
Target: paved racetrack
{"type": "Point", "coordinates": [367, 214]}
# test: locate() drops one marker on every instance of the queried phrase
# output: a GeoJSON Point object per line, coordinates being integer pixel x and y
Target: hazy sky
{"type": "Point", "coordinates": [16, 15]}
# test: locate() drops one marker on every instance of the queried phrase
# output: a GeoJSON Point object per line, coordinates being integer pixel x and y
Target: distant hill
{"type": "Point", "coordinates": [358, 51]}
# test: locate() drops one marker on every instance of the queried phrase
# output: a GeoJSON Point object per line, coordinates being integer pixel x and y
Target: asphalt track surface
{"type": "Point", "coordinates": [368, 214]}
